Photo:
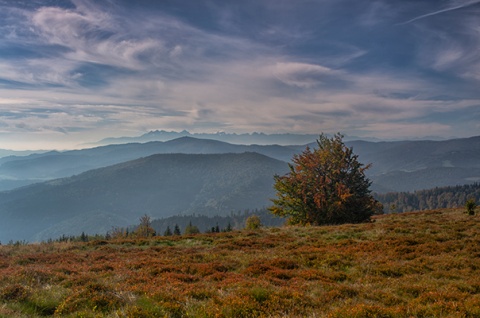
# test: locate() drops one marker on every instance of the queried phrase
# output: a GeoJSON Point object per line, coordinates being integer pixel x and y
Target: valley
{"type": "Point", "coordinates": [92, 190]}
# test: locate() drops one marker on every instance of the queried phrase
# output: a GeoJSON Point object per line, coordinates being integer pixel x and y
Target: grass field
{"type": "Point", "coordinates": [423, 264]}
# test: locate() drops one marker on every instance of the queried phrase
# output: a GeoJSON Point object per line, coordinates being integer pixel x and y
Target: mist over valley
{"type": "Point", "coordinates": [94, 189]}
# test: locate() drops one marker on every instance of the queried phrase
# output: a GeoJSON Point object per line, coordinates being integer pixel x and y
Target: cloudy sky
{"type": "Point", "coordinates": [78, 71]}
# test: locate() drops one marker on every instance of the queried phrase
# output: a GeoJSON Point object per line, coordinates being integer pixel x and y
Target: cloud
{"type": "Point", "coordinates": [451, 48]}
{"type": "Point", "coordinates": [99, 69]}
{"type": "Point", "coordinates": [454, 5]}
{"type": "Point", "coordinates": [302, 74]}
{"type": "Point", "coordinates": [91, 36]}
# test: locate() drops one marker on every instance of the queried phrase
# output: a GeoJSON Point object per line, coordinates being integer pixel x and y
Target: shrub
{"type": "Point", "coordinates": [14, 292]}
{"type": "Point", "coordinates": [253, 222]}
{"type": "Point", "coordinates": [191, 229]}
{"type": "Point", "coordinates": [470, 207]}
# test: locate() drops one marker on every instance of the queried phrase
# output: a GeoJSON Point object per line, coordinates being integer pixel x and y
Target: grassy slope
{"type": "Point", "coordinates": [414, 264]}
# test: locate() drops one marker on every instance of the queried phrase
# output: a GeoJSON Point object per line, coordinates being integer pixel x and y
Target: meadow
{"type": "Point", "coordinates": [421, 264]}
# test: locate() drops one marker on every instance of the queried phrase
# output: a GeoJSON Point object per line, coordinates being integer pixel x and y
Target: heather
{"type": "Point", "coordinates": [421, 264]}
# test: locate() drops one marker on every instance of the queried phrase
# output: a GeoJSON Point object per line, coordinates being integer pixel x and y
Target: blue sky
{"type": "Point", "coordinates": [78, 71]}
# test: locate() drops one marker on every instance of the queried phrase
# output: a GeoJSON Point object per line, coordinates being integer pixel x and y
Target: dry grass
{"type": "Point", "coordinates": [422, 264]}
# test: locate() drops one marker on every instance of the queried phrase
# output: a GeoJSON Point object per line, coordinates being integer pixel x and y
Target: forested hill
{"type": "Point", "coordinates": [396, 166]}
{"type": "Point", "coordinates": [22, 170]}
{"type": "Point", "coordinates": [393, 202]}
{"type": "Point", "coordinates": [422, 164]}
{"type": "Point", "coordinates": [444, 197]}
{"type": "Point", "coordinates": [159, 185]}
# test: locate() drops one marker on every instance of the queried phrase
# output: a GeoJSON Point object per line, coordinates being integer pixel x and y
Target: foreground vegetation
{"type": "Point", "coordinates": [421, 264]}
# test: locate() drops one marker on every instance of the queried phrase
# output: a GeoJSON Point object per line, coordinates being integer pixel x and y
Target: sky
{"type": "Point", "coordinates": [73, 72]}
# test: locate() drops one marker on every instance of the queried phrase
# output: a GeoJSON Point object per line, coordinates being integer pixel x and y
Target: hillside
{"type": "Point", "coordinates": [423, 164]}
{"type": "Point", "coordinates": [436, 198]}
{"type": "Point", "coordinates": [402, 265]}
{"type": "Point", "coordinates": [159, 185]}
{"type": "Point", "coordinates": [23, 170]}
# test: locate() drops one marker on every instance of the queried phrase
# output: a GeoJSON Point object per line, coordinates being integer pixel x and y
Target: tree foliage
{"type": "Point", "coordinates": [326, 185]}
{"type": "Point", "coordinates": [470, 206]}
{"type": "Point", "coordinates": [145, 228]}
{"type": "Point", "coordinates": [253, 222]}
{"type": "Point", "coordinates": [191, 229]}
{"type": "Point", "coordinates": [168, 232]}
{"type": "Point", "coordinates": [176, 230]}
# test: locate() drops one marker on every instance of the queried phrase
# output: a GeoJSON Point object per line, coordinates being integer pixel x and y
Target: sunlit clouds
{"type": "Point", "coordinates": [73, 72]}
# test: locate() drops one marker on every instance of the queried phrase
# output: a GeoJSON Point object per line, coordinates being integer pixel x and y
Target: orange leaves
{"type": "Point", "coordinates": [326, 185]}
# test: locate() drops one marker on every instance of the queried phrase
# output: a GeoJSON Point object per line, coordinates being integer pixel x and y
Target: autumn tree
{"type": "Point", "coordinates": [253, 222]}
{"type": "Point", "coordinates": [325, 185]}
{"type": "Point", "coordinates": [191, 229]}
{"type": "Point", "coordinates": [145, 228]}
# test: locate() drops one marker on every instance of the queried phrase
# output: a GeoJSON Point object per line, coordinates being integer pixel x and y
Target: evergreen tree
{"type": "Point", "coordinates": [83, 237]}
{"type": "Point", "coordinates": [326, 185]}
{"type": "Point", "coordinates": [168, 232]}
{"type": "Point", "coordinates": [470, 206]}
{"type": "Point", "coordinates": [176, 230]}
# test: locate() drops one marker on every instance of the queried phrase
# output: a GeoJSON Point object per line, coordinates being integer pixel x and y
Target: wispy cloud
{"type": "Point", "coordinates": [83, 70]}
{"type": "Point", "coordinates": [453, 5]}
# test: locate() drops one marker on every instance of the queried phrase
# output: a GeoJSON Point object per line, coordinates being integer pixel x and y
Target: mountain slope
{"type": "Point", "coordinates": [416, 165]}
{"type": "Point", "coordinates": [158, 185]}
{"type": "Point", "coordinates": [42, 167]}
{"type": "Point", "coordinates": [410, 156]}
{"type": "Point", "coordinates": [396, 166]}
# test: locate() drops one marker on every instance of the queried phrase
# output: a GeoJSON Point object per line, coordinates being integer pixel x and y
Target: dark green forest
{"type": "Point", "coordinates": [216, 223]}
{"type": "Point", "coordinates": [436, 198]}
{"type": "Point", "coordinates": [393, 202]}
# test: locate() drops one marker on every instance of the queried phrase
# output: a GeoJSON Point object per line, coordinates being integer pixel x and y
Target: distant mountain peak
{"type": "Point", "coordinates": [259, 138]}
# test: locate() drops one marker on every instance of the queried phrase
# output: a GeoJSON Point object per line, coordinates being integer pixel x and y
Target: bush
{"type": "Point", "coordinates": [14, 292]}
{"type": "Point", "coordinates": [253, 222]}
{"type": "Point", "coordinates": [470, 207]}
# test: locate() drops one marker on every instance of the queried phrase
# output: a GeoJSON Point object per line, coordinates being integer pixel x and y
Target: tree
{"type": "Point", "coordinates": [145, 228]}
{"type": "Point", "coordinates": [176, 230]}
{"type": "Point", "coordinates": [168, 232]}
{"type": "Point", "coordinates": [116, 233]}
{"type": "Point", "coordinates": [326, 185]}
{"type": "Point", "coordinates": [253, 222]}
{"type": "Point", "coordinates": [191, 229]}
{"type": "Point", "coordinates": [470, 206]}
{"type": "Point", "coordinates": [83, 237]}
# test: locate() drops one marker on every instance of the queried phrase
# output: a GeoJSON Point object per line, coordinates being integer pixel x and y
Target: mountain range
{"type": "Point", "coordinates": [245, 139]}
{"type": "Point", "coordinates": [23, 170]}
{"type": "Point", "coordinates": [159, 185]}
{"type": "Point", "coordinates": [94, 189]}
